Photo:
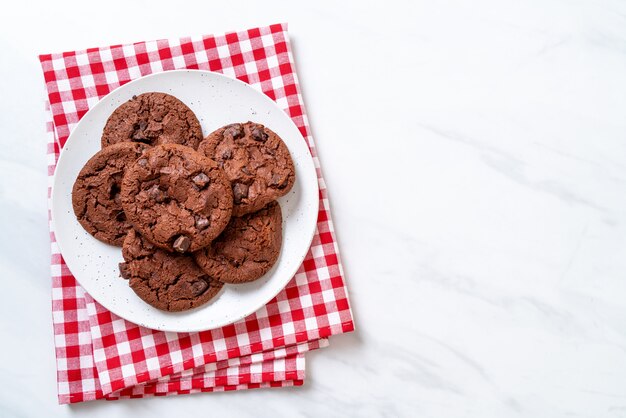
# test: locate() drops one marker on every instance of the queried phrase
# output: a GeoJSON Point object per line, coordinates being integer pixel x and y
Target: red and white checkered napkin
{"type": "Point", "coordinates": [100, 355]}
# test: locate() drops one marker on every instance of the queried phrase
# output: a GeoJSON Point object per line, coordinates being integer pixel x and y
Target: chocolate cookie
{"type": "Point", "coordinates": [256, 161]}
{"type": "Point", "coordinates": [154, 119]}
{"type": "Point", "coordinates": [167, 281]}
{"type": "Point", "coordinates": [247, 249]}
{"type": "Point", "coordinates": [96, 192]}
{"type": "Point", "coordinates": [177, 198]}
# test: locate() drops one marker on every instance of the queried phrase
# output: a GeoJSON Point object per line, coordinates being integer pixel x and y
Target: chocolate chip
{"type": "Point", "coordinates": [156, 194]}
{"type": "Point", "coordinates": [139, 133]}
{"type": "Point", "coordinates": [258, 134]}
{"type": "Point", "coordinates": [201, 180]}
{"type": "Point", "coordinates": [202, 223]}
{"type": "Point", "coordinates": [121, 216]}
{"type": "Point", "coordinates": [235, 130]}
{"type": "Point", "coordinates": [227, 155]}
{"type": "Point", "coordinates": [139, 136]}
{"type": "Point", "coordinates": [198, 287]}
{"type": "Point", "coordinates": [278, 181]}
{"type": "Point", "coordinates": [181, 244]}
{"type": "Point", "coordinates": [240, 191]}
{"type": "Point", "coordinates": [244, 170]}
{"type": "Point", "coordinates": [124, 271]}
{"type": "Point", "coordinates": [142, 162]}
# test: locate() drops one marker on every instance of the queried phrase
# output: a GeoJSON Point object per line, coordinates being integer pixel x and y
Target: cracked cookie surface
{"type": "Point", "coordinates": [167, 281]}
{"type": "Point", "coordinates": [247, 249]}
{"type": "Point", "coordinates": [176, 198]}
{"type": "Point", "coordinates": [153, 119]}
{"type": "Point", "coordinates": [96, 192]}
{"type": "Point", "coordinates": [256, 161]}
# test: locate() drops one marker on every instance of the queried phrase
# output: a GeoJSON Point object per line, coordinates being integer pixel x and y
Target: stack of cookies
{"type": "Point", "coordinates": [189, 213]}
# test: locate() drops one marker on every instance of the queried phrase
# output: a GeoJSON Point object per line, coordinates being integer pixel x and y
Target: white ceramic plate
{"type": "Point", "coordinates": [217, 100]}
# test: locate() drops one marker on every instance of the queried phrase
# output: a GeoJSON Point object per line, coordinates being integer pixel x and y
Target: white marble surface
{"type": "Point", "coordinates": [475, 154]}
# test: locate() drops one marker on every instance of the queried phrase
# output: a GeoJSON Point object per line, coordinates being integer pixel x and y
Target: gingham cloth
{"type": "Point", "coordinates": [99, 355]}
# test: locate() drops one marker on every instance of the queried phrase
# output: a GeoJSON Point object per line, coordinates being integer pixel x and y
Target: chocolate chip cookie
{"type": "Point", "coordinates": [256, 161]}
{"type": "Point", "coordinates": [177, 198]}
{"type": "Point", "coordinates": [247, 249]}
{"type": "Point", "coordinates": [154, 119]}
{"type": "Point", "coordinates": [167, 281]}
{"type": "Point", "coordinates": [96, 192]}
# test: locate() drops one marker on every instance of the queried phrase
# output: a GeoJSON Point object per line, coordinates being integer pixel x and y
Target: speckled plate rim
{"type": "Point", "coordinates": [217, 100]}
